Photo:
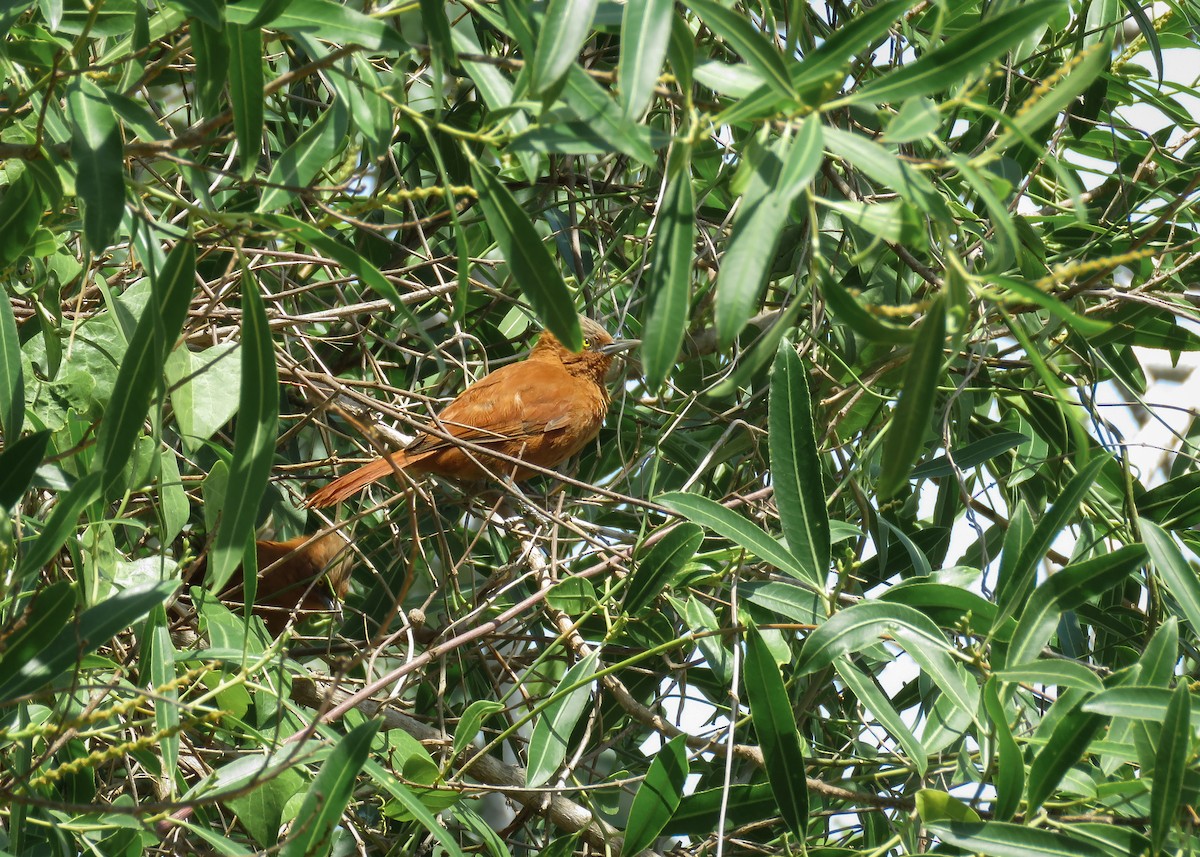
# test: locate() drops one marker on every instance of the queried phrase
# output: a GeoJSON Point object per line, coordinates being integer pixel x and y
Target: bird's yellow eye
{"type": "Point", "coordinates": [587, 343]}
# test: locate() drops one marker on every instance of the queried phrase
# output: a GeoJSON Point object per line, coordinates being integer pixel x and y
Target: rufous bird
{"type": "Point", "coordinates": [542, 411]}
{"type": "Point", "coordinates": [300, 576]}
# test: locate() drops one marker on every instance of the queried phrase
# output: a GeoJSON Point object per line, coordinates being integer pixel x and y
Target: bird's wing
{"type": "Point", "coordinates": [516, 402]}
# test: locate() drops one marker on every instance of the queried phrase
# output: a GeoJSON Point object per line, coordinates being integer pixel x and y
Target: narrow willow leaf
{"type": "Point", "coordinates": [1022, 292]}
{"type": "Point", "coordinates": [602, 116]}
{"type": "Point", "coordinates": [158, 664]}
{"type": "Point", "coordinates": [210, 47]}
{"type": "Point", "coordinates": [141, 372]}
{"type": "Point", "coordinates": [1173, 505]}
{"type": "Point", "coordinates": [960, 58]}
{"type": "Point", "coordinates": [437, 26]}
{"type": "Point", "coordinates": [29, 638]}
{"type": "Point", "coordinates": [1174, 570]}
{"type": "Point", "coordinates": [253, 441]}
{"type": "Point", "coordinates": [820, 65]}
{"type": "Point", "coordinates": [1171, 763]}
{"type": "Point", "coordinates": [12, 376]}
{"type": "Point", "coordinates": [1010, 763]}
{"type": "Point", "coordinates": [1067, 744]}
{"type": "Point", "coordinates": [1061, 673]}
{"type": "Point", "coordinates": [246, 92]}
{"type": "Point", "coordinates": [916, 119]}
{"type": "Point", "coordinates": [551, 736]}
{"type": "Point", "coordinates": [324, 19]}
{"type": "Point", "coordinates": [98, 153]}
{"type": "Point", "coordinates": [1004, 245]}
{"type": "Point", "coordinates": [751, 362]}
{"type": "Point", "coordinates": [63, 521]}
{"type": "Point", "coordinates": [645, 31]}
{"type": "Point", "coordinates": [18, 462]}
{"type": "Point", "coordinates": [330, 792]}
{"type": "Point", "coordinates": [934, 805]}
{"type": "Point", "coordinates": [886, 167]}
{"type": "Point", "coordinates": [913, 416]}
{"type": "Point", "coordinates": [786, 169]}
{"type": "Point", "coordinates": [407, 798]}
{"type": "Point", "coordinates": [532, 267]}
{"type": "Point", "coordinates": [755, 48]}
{"type": "Point", "coordinates": [660, 564]}
{"type": "Point", "coordinates": [1048, 102]}
{"type": "Point", "coordinates": [1016, 582]}
{"type": "Point", "coordinates": [970, 456]}
{"type": "Point", "coordinates": [876, 703]}
{"type": "Point", "coordinates": [745, 803]}
{"type": "Point", "coordinates": [775, 726]}
{"type": "Point", "coordinates": [796, 472]}
{"type": "Point", "coordinates": [670, 280]}
{"type": "Point", "coordinates": [846, 308]}
{"type": "Point", "coordinates": [1001, 839]}
{"type": "Point", "coordinates": [95, 627]}
{"type": "Point", "coordinates": [21, 210]}
{"type": "Point", "coordinates": [343, 254]}
{"type": "Point", "coordinates": [657, 797]}
{"type": "Point", "coordinates": [731, 525]}
{"type": "Point", "coordinates": [305, 158]}
{"type": "Point", "coordinates": [1072, 587]}
{"type": "Point", "coordinates": [472, 720]}
{"type": "Point", "coordinates": [563, 32]}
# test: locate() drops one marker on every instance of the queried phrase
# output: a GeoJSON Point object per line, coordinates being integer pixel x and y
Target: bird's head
{"type": "Point", "coordinates": [596, 356]}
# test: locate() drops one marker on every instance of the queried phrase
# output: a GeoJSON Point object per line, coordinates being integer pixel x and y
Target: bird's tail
{"type": "Point", "coordinates": [354, 481]}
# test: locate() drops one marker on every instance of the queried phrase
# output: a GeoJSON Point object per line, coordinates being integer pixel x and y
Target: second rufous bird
{"type": "Point", "coordinates": [542, 410]}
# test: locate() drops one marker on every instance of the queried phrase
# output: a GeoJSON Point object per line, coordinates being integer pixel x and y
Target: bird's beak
{"type": "Point", "coordinates": [619, 345]}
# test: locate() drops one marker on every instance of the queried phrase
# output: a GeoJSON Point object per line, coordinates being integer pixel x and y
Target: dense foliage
{"type": "Point", "coordinates": [859, 564]}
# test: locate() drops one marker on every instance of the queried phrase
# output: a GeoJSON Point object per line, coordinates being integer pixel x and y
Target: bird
{"type": "Point", "coordinates": [303, 575]}
{"type": "Point", "coordinates": [541, 410]}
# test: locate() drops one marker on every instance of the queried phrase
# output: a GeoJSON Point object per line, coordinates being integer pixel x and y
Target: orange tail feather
{"type": "Point", "coordinates": [351, 483]}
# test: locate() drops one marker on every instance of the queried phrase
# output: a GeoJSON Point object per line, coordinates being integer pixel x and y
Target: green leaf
{"type": "Point", "coordinates": [253, 441]}
{"type": "Point", "coordinates": [600, 115]}
{"type": "Point", "coordinates": [1174, 570]}
{"type": "Point", "coordinates": [645, 31]}
{"type": "Point", "coordinates": [342, 253]}
{"type": "Point", "coordinates": [1070, 740]}
{"type": "Point", "coordinates": [916, 119]}
{"type": "Point", "coordinates": [141, 372]}
{"type": "Point", "coordinates": [12, 376]}
{"type": "Point", "coordinates": [1174, 505]}
{"type": "Point", "coordinates": [563, 32]}
{"type": "Point", "coordinates": [796, 471]}
{"type": "Point", "coordinates": [534, 271]}
{"type": "Point", "coordinates": [670, 279]}
{"type": "Point", "coordinates": [1048, 102]}
{"type": "Point", "coordinates": [970, 456]}
{"type": "Point", "coordinates": [32, 634]}
{"type": "Point", "coordinates": [784, 170]}
{"type": "Point", "coordinates": [1070, 588]}
{"type": "Point", "coordinates": [958, 59]}
{"type": "Point", "coordinates": [731, 525]}
{"type": "Point", "coordinates": [657, 797]}
{"type": "Point", "coordinates": [862, 625]}
{"type": "Point", "coordinates": [872, 698]}
{"type": "Point", "coordinates": [913, 416]}
{"type": "Point", "coordinates": [98, 153]}
{"type": "Point", "coordinates": [62, 523]}
{"type": "Point", "coordinates": [1001, 839]}
{"type": "Point", "coordinates": [1015, 582]}
{"type": "Point", "coordinates": [21, 210]}
{"type": "Point", "coordinates": [210, 47]}
{"type": "Point", "coordinates": [549, 742]}
{"type": "Point", "coordinates": [1061, 673]}
{"type": "Point", "coordinates": [846, 308]}
{"type": "Point", "coordinates": [1023, 292]}
{"type": "Point", "coordinates": [1010, 763]}
{"type": "Point", "coordinates": [775, 726]}
{"type": "Point", "coordinates": [934, 805]}
{"type": "Point", "coordinates": [246, 92]}
{"type": "Point", "coordinates": [660, 564]}
{"type": "Point", "coordinates": [763, 56]}
{"type": "Point", "coordinates": [472, 720]}
{"type": "Point", "coordinates": [330, 793]}
{"type": "Point", "coordinates": [1171, 763]}
{"type": "Point", "coordinates": [18, 462]}
{"type": "Point", "coordinates": [305, 158]}
{"type": "Point", "coordinates": [896, 222]}
{"type": "Point", "coordinates": [322, 18]}
{"type": "Point", "coordinates": [1136, 702]}
{"type": "Point", "coordinates": [95, 626]}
